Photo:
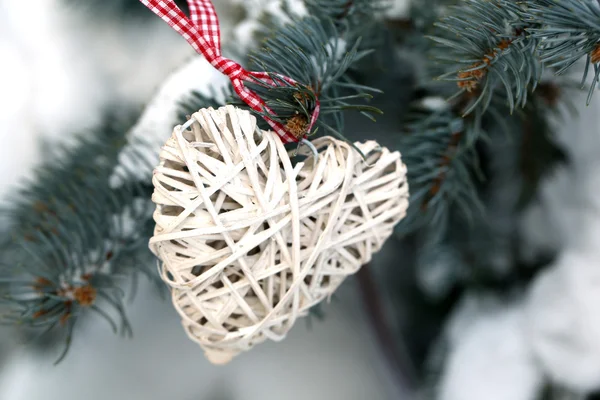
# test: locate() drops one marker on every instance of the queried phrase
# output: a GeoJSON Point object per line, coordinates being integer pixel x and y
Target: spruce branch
{"type": "Point", "coordinates": [316, 54]}
{"type": "Point", "coordinates": [441, 165]}
{"type": "Point", "coordinates": [77, 230]}
{"type": "Point", "coordinates": [487, 50]}
{"type": "Point", "coordinates": [567, 30]}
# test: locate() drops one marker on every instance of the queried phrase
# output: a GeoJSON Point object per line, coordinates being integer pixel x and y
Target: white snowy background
{"type": "Point", "coordinates": [58, 67]}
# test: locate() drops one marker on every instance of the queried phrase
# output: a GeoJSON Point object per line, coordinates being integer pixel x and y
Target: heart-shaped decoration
{"type": "Point", "coordinates": [249, 241]}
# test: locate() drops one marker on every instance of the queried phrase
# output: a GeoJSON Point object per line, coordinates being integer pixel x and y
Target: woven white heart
{"type": "Point", "coordinates": [249, 241]}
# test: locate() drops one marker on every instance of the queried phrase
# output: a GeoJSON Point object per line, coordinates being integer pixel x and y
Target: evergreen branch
{"type": "Point", "coordinates": [77, 230]}
{"type": "Point", "coordinates": [316, 53]}
{"type": "Point", "coordinates": [440, 162]}
{"type": "Point", "coordinates": [488, 51]}
{"type": "Point", "coordinates": [567, 30]}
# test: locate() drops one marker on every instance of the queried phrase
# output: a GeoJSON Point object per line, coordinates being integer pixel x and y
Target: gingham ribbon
{"type": "Point", "coordinates": [203, 33]}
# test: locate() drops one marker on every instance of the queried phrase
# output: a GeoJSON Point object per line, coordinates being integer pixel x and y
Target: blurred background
{"type": "Point", "coordinates": [394, 331]}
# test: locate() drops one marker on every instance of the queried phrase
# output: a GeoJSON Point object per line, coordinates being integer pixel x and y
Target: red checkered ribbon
{"type": "Point", "coordinates": [203, 33]}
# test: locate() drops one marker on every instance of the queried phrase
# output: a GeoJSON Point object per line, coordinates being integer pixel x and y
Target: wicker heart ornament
{"type": "Point", "coordinates": [249, 240]}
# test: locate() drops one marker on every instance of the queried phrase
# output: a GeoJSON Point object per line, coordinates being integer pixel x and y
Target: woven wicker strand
{"type": "Point", "coordinates": [250, 241]}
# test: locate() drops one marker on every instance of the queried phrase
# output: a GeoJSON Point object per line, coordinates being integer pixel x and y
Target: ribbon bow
{"type": "Point", "coordinates": [203, 33]}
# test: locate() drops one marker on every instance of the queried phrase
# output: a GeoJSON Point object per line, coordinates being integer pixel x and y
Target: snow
{"type": "Point", "coordinates": [563, 321]}
{"type": "Point", "coordinates": [490, 358]}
